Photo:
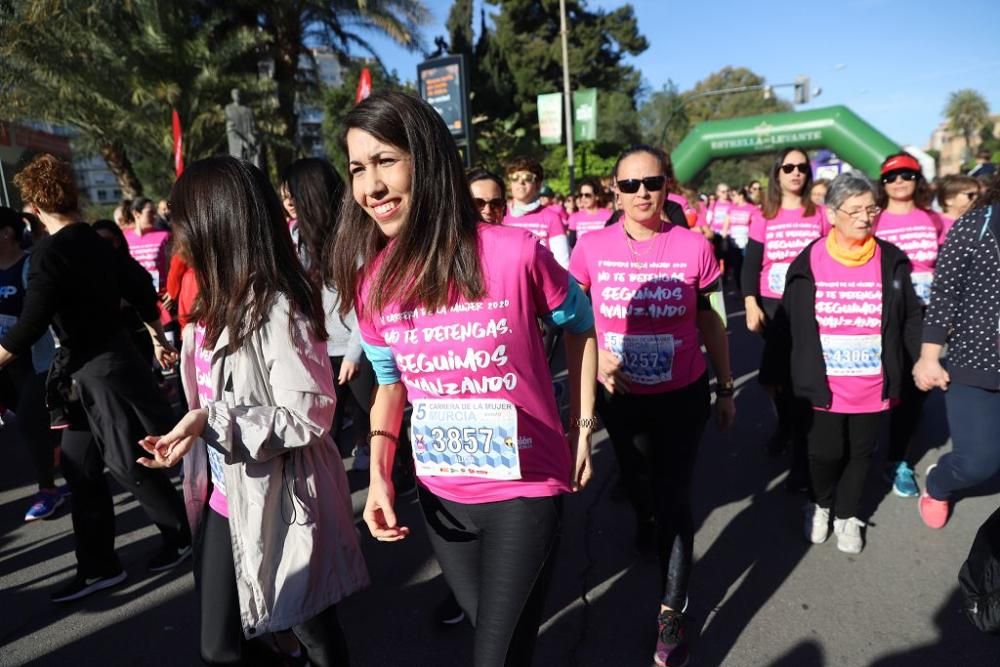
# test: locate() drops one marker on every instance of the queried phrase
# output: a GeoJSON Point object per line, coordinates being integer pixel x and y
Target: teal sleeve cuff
{"type": "Point", "coordinates": [574, 314]}
{"type": "Point", "coordinates": [386, 371]}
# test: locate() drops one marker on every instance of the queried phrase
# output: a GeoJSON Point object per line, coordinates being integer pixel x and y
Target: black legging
{"type": "Point", "coordinates": [497, 558]}
{"type": "Point", "coordinates": [222, 641]}
{"type": "Point", "coordinates": [775, 372]}
{"type": "Point", "coordinates": [23, 391]}
{"type": "Point", "coordinates": [656, 438]}
{"type": "Point", "coordinates": [360, 390]}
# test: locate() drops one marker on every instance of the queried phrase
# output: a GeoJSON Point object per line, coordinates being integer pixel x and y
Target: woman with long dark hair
{"type": "Point", "coordinates": [789, 222]}
{"type": "Point", "coordinates": [314, 191]}
{"type": "Point", "coordinates": [277, 495]}
{"type": "Point", "coordinates": [907, 222]}
{"type": "Point", "coordinates": [652, 283]}
{"type": "Point", "coordinates": [448, 306]}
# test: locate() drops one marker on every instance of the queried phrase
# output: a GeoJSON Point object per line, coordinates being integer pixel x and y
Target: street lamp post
{"type": "Point", "coordinates": [567, 100]}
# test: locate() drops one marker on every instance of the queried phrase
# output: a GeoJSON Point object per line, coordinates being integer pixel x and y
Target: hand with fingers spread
{"type": "Point", "coordinates": [168, 450]}
{"type": "Point", "coordinates": [380, 515]}
{"type": "Point", "coordinates": [609, 368]}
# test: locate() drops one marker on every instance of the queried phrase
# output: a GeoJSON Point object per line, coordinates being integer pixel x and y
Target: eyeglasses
{"type": "Point", "coordinates": [652, 184]}
{"type": "Point", "coordinates": [492, 203]}
{"type": "Point", "coordinates": [523, 177]}
{"type": "Point", "coordinates": [586, 195]}
{"type": "Point", "coordinates": [893, 176]}
{"type": "Point", "coordinates": [870, 212]}
{"type": "Point", "coordinates": [803, 168]}
{"type": "Point", "coordinates": [971, 195]}
{"type": "Point", "coordinates": [754, 188]}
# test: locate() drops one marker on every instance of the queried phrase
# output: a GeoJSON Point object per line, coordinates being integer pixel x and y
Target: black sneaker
{"type": "Point", "coordinates": [448, 612]}
{"type": "Point", "coordinates": [83, 586]}
{"type": "Point", "coordinates": [169, 557]}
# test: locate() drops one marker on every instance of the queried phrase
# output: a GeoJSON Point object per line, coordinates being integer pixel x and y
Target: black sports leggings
{"type": "Point", "coordinates": [360, 390]}
{"type": "Point", "coordinates": [222, 641]}
{"type": "Point", "coordinates": [656, 438]}
{"type": "Point", "coordinates": [497, 558]}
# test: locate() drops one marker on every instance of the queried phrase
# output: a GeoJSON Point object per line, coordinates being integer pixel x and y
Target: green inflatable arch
{"type": "Point", "coordinates": [837, 128]}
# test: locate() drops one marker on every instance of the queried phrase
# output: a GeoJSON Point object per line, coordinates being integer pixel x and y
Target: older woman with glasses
{"type": "Point", "coordinates": [908, 223]}
{"type": "Point", "coordinates": [851, 318]}
{"type": "Point", "coordinates": [488, 195]}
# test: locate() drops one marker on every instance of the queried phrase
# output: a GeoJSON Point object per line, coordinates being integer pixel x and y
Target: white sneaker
{"type": "Point", "coordinates": [817, 523]}
{"type": "Point", "coordinates": [848, 532]}
{"type": "Point", "coordinates": [362, 457]}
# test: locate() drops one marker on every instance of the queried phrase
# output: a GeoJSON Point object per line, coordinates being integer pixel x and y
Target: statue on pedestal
{"type": "Point", "coordinates": [241, 131]}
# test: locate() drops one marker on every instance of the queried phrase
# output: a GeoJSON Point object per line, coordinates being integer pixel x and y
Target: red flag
{"type": "Point", "coordinates": [178, 145]}
{"type": "Point", "coordinates": [364, 85]}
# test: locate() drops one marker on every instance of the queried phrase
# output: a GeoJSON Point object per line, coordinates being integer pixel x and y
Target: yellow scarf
{"type": "Point", "coordinates": [850, 258]}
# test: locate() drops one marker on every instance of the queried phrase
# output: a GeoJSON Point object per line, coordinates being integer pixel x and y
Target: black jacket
{"type": "Point", "coordinates": [901, 322]}
{"type": "Point", "coordinates": [965, 299]}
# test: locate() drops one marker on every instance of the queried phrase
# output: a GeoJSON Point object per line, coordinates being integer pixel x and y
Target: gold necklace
{"type": "Point", "coordinates": [628, 240]}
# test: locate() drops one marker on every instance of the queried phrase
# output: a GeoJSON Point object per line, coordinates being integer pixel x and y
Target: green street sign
{"type": "Point", "coordinates": [550, 118]}
{"type": "Point", "coordinates": [585, 114]}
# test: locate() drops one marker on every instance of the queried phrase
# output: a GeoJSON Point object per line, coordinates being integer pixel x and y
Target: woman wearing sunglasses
{"type": "Point", "coordinates": [651, 283]}
{"type": "Point", "coordinates": [591, 215]}
{"type": "Point", "coordinates": [528, 212]}
{"type": "Point", "coordinates": [788, 223]}
{"type": "Point", "coordinates": [445, 303]}
{"type": "Point", "coordinates": [956, 195]}
{"type": "Point", "coordinates": [907, 223]}
{"type": "Point", "coordinates": [488, 195]}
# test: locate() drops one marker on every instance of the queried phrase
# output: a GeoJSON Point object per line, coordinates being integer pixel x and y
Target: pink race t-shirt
{"type": "Point", "coordinates": [560, 211]}
{"type": "Point", "coordinates": [150, 250]}
{"type": "Point", "coordinates": [849, 314]}
{"type": "Point", "coordinates": [947, 222]}
{"type": "Point", "coordinates": [645, 301]}
{"type": "Point", "coordinates": [583, 222]}
{"type": "Point", "coordinates": [485, 425]}
{"type": "Point", "coordinates": [739, 223]}
{"type": "Point", "coordinates": [543, 223]}
{"type": "Point", "coordinates": [206, 394]}
{"type": "Point", "coordinates": [718, 215]}
{"type": "Point", "coordinates": [783, 238]}
{"type": "Point", "coordinates": [916, 234]}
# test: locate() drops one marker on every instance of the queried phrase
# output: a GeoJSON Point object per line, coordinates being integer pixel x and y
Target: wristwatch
{"type": "Point", "coordinates": [724, 388]}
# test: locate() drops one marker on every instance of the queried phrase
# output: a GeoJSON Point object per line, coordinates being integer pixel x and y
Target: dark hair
{"type": "Point", "coordinates": [594, 184]}
{"type": "Point", "coordinates": [231, 222]}
{"type": "Point", "coordinates": [435, 257]}
{"type": "Point", "coordinates": [13, 219]}
{"type": "Point", "coordinates": [317, 190]}
{"type": "Point", "coordinates": [480, 174]}
{"type": "Point", "coordinates": [112, 228]}
{"type": "Point", "coordinates": [660, 156]}
{"type": "Point", "coordinates": [992, 194]}
{"type": "Point", "coordinates": [525, 163]}
{"type": "Point", "coordinates": [48, 183]}
{"type": "Point", "coordinates": [772, 201]}
{"type": "Point", "coordinates": [950, 186]}
{"type": "Point", "coordinates": [140, 203]}
{"type": "Point", "coordinates": [922, 194]}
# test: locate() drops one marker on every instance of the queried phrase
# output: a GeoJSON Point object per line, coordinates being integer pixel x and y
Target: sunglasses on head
{"type": "Point", "coordinates": [492, 203]}
{"type": "Point", "coordinates": [905, 174]}
{"type": "Point", "coordinates": [523, 177]}
{"type": "Point", "coordinates": [652, 184]}
{"type": "Point", "coordinates": [803, 168]}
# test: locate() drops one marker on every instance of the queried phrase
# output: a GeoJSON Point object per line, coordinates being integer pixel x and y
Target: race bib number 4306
{"type": "Point", "coordinates": [465, 437]}
{"type": "Point", "coordinates": [852, 355]}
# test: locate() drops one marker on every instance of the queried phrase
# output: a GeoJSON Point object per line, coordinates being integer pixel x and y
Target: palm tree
{"type": "Point", "coordinates": [967, 112]}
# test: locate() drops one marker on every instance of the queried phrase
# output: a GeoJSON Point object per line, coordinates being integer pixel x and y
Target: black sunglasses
{"type": "Point", "coordinates": [803, 168]}
{"type": "Point", "coordinates": [905, 174]}
{"type": "Point", "coordinates": [492, 203]}
{"type": "Point", "coordinates": [652, 184]}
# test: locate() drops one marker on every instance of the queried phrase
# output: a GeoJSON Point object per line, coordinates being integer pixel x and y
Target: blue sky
{"type": "Point", "coordinates": [893, 62]}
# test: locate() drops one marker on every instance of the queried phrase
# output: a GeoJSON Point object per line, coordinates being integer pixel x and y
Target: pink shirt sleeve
{"type": "Point", "coordinates": [549, 281]}
{"type": "Point", "coordinates": [758, 226]}
{"type": "Point", "coordinates": [578, 265]}
{"type": "Point", "coordinates": [555, 225]}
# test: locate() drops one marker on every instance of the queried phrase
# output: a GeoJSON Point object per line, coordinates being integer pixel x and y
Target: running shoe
{"type": "Point", "coordinates": [81, 586]}
{"type": "Point", "coordinates": [448, 612]}
{"type": "Point", "coordinates": [671, 640]}
{"type": "Point", "coordinates": [169, 557]}
{"type": "Point", "coordinates": [46, 502]}
{"type": "Point", "coordinates": [848, 532]}
{"type": "Point", "coordinates": [904, 480]}
{"type": "Point", "coordinates": [817, 523]}
{"type": "Point", "coordinates": [934, 512]}
{"type": "Point", "coordinates": [362, 457]}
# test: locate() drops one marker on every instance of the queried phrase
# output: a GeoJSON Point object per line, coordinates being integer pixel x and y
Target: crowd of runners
{"type": "Point", "coordinates": [408, 315]}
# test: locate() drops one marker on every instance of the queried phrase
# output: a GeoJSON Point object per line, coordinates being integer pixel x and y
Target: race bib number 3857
{"type": "Point", "coordinates": [465, 437]}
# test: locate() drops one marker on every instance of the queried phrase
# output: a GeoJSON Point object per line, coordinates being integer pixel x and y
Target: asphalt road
{"type": "Point", "coordinates": [760, 594]}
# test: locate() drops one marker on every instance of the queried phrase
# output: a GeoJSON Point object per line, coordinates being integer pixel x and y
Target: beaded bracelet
{"type": "Point", "coordinates": [384, 434]}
